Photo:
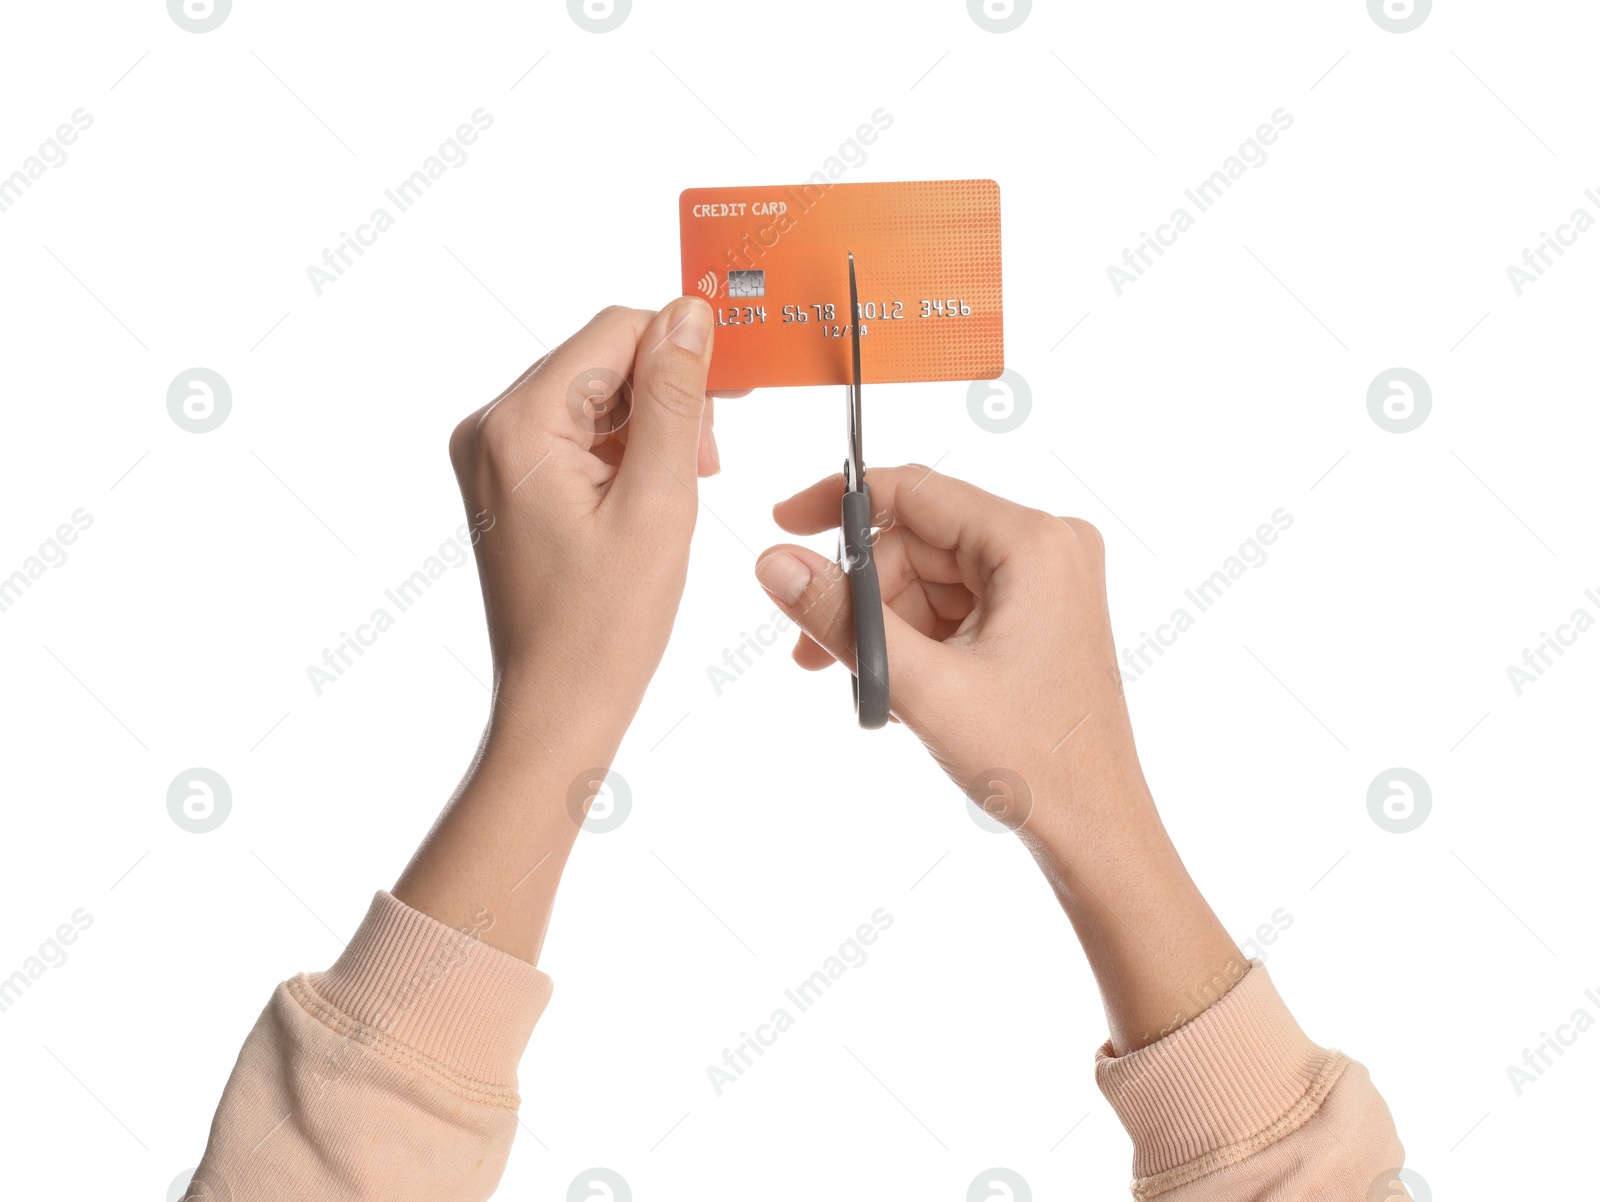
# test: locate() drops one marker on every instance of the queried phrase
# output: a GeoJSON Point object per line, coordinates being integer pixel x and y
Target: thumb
{"type": "Point", "coordinates": [815, 593]}
{"type": "Point", "coordinates": [669, 398]}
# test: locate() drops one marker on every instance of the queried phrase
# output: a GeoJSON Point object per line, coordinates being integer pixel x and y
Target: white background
{"type": "Point", "coordinates": [1228, 382]}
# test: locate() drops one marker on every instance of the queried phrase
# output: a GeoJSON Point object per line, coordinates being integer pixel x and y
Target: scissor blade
{"type": "Point", "coordinates": [854, 467]}
{"type": "Point", "coordinates": [855, 328]}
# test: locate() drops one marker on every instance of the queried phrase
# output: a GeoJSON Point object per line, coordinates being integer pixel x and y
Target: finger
{"type": "Point", "coordinates": [574, 391]}
{"type": "Point", "coordinates": [815, 593]}
{"type": "Point", "coordinates": [903, 557]}
{"type": "Point", "coordinates": [933, 610]}
{"type": "Point", "coordinates": [813, 658]}
{"type": "Point", "coordinates": [710, 457]}
{"type": "Point", "coordinates": [663, 457]}
{"type": "Point", "coordinates": [943, 512]}
{"type": "Point", "coordinates": [811, 655]}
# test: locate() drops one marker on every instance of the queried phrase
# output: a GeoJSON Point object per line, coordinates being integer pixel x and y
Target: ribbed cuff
{"type": "Point", "coordinates": [1236, 1079]}
{"type": "Point", "coordinates": [436, 990]}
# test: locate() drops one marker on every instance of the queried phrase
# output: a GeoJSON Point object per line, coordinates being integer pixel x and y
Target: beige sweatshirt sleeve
{"type": "Point", "coordinates": [391, 1076]}
{"type": "Point", "coordinates": [1239, 1105]}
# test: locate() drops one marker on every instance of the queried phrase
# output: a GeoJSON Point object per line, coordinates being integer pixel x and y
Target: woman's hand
{"type": "Point", "coordinates": [1000, 652]}
{"type": "Point", "coordinates": [1001, 661]}
{"type": "Point", "coordinates": [581, 487]}
{"type": "Point", "coordinates": [587, 471]}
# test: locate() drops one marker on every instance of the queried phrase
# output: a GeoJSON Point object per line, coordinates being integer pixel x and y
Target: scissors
{"type": "Point", "coordinates": [869, 686]}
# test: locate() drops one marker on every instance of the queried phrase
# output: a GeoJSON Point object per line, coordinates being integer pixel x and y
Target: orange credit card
{"type": "Point", "coordinates": [773, 264]}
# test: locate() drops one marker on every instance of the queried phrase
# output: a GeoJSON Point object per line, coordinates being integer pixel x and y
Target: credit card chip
{"type": "Point", "coordinates": [747, 283]}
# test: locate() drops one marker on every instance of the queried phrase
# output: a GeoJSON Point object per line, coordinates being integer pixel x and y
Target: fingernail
{"type": "Point", "coordinates": [716, 455]}
{"type": "Point", "coordinates": [689, 324]}
{"type": "Point", "coordinates": [784, 576]}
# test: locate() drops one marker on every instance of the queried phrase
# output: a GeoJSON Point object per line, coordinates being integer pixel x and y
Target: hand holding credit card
{"type": "Point", "coordinates": [768, 259]}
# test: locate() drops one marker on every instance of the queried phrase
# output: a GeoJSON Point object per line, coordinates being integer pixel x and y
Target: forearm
{"type": "Point", "coordinates": [503, 840]}
{"type": "Point", "coordinates": [1158, 952]}
{"type": "Point", "coordinates": [1222, 1094]}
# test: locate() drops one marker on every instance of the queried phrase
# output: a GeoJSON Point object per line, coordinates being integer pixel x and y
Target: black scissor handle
{"type": "Point", "coordinates": [870, 684]}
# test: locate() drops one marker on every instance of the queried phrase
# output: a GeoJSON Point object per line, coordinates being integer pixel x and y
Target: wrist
{"type": "Point", "coordinates": [545, 725]}
{"type": "Point", "coordinates": [1100, 826]}
{"type": "Point", "coordinates": [1159, 953]}
{"type": "Point", "coordinates": [502, 842]}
